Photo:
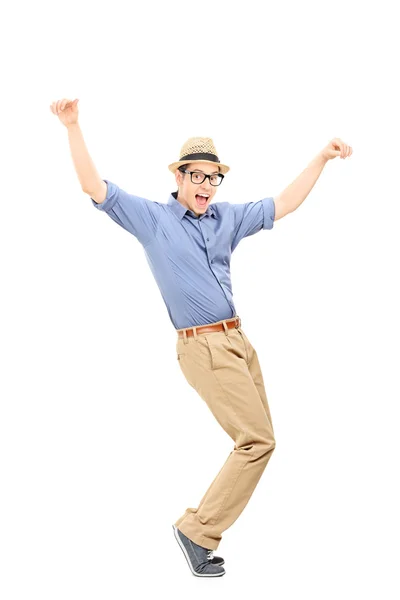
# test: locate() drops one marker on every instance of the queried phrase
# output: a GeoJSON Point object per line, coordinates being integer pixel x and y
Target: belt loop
{"type": "Point", "coordinates": [195, 333]}
{"type": "Point", "coordinates": [185, 336]}
{"type": "Point", "coordinates": [225, 327]}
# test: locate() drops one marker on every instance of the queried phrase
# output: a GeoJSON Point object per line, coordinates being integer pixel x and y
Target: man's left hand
{"type": "Point", "coordinates": [336, 147]}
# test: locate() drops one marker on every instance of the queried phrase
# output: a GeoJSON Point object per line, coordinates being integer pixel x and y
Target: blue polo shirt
{"type": "Point", "coordinates": [189, 256]}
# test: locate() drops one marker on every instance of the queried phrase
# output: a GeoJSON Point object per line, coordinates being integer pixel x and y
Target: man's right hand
{"type": "Point", "coordinates": [66, 110]}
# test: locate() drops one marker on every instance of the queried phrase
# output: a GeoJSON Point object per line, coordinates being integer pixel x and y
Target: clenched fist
{"type": "Point", "coordinates": [66, 110]}
{"type": "Point", "coordinates": [336, 147]}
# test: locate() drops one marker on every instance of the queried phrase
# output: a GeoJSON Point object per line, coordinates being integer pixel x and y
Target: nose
{"type": "Point", "coordinates": [207, 184]}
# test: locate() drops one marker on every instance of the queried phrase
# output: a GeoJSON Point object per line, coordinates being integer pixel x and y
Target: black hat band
{"type": "Point", "coordinates": [201, 156]}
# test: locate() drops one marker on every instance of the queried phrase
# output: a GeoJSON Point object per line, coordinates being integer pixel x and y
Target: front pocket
{"type": "Point", "coordinates": [246, 344]}
{"type": "Point", "coordinates": [211, 353]}
{"type": "Point", "coordinates": [218, 345]}
{"type": "Point", "coordinates": [202, 346]}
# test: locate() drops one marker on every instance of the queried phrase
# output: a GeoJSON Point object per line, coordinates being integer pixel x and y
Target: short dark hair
{"type": "Point", "coordinates": [183, 167]}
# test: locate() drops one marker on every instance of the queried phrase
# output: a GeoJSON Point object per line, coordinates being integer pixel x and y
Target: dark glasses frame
{"type": "Point", "coordinates": [182, 170]}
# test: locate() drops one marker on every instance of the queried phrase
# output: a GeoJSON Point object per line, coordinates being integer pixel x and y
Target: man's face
{"type": "Point", "coordinates": [188, 193]}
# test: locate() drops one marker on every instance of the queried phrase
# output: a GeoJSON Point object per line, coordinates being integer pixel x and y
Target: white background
{"type": "Point", "coordinates": [103, 442]}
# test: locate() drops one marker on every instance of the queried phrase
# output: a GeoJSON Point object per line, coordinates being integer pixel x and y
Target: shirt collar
{"type": "Point", "coordinates": [181, 210]}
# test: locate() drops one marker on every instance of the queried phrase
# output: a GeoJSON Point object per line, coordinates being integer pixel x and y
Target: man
{"type": "Point", "coordinates": [188, 243]}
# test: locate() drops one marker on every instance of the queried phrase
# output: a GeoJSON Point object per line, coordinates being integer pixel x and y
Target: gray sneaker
{"type": "Point", "coordinates": [198, 558]}
{"type": "Point", "coordinates": [215, 560]}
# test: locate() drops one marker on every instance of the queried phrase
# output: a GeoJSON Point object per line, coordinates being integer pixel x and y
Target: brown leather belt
{"type": "Point", "coordinates": [231, 324]}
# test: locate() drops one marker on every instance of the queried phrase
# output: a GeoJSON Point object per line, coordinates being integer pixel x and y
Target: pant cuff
{"type": "Point", "coordinates": [192, 529]}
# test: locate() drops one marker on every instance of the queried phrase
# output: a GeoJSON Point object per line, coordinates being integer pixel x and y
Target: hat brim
{"type": "Point", "coordinates": [223, 168]}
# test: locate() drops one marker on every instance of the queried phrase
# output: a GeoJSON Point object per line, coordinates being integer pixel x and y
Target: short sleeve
{"type": "Point", "coordinates": [137, 215]}
{"type": "Point", "coordinates": [251, 217]}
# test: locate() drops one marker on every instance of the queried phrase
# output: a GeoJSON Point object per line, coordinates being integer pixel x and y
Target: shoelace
{"type": "Point", "coordinates": [210, 554]}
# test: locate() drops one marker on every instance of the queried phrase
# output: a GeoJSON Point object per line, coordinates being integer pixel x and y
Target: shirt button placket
{"type": "Point", "coordinates": [208, 239]}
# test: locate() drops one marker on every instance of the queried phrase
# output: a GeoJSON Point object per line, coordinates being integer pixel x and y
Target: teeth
{"type": "Point", "coordinates": [204, 196]}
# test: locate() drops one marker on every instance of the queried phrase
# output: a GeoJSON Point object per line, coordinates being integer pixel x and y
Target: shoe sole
{"type": "Point", "coordinates": [188, 559]}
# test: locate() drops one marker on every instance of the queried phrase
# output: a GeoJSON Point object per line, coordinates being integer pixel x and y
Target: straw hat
{"type": "Point", "coordinates": [198, 149]}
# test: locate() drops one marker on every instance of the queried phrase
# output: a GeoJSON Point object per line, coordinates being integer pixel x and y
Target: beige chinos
{"type": "Point", "coordinates": [223, 367]}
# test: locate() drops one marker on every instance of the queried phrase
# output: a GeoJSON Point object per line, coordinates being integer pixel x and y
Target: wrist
{"type": "Point", "coordinates": [320, 159]}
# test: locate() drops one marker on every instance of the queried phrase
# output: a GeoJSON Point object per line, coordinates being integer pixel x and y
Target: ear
{"type": "Point", "coordinates": [178, 177]}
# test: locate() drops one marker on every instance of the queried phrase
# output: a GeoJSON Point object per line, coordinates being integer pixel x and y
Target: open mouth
{"type": "Point", "coordinates": [201, 200]}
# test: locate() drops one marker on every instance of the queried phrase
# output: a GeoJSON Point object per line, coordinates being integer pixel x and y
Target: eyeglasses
{"type": "Point", "coordinates": [199, 177]}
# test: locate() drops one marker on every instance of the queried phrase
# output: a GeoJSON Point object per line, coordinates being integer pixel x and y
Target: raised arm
{"type": "Point", "coordinates": [90, 180]}
{"type": "Point", "coordinates": [295, 193]}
